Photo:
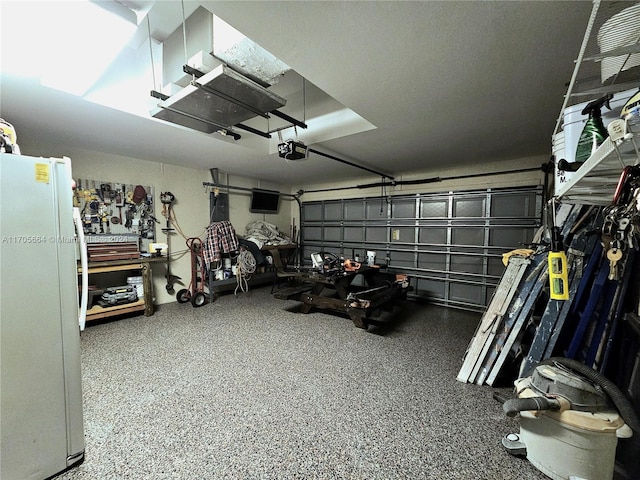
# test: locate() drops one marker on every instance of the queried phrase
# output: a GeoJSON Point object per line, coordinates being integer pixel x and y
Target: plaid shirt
{"type": "Point", "coordinates": [221, 238]}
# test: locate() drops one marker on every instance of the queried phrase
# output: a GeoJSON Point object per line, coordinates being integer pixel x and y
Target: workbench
{"type": "Point", "coordinates": [141, 265]}
{"type": "Point", "coordinates": [338, 291]}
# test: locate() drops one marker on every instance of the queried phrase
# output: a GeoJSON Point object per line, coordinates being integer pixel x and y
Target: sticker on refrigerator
{"type": "Point", "coordinates": [42, 172]}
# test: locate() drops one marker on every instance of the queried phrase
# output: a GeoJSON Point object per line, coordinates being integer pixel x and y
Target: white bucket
{"type": "Point", "coordinates": [137, 282]}
{"type": "Point", "coordinates": [371, 257]}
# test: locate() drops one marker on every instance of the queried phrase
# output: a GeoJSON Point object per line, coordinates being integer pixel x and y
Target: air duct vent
{"type": "Point", "coordinates": [221, 98]}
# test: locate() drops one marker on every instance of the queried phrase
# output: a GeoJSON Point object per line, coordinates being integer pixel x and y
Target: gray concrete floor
{"type": "Point", "coordinates": [248, 388]}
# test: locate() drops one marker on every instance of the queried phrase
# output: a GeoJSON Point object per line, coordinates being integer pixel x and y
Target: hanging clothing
{"type": "Point", "coordinates": [221, 238]}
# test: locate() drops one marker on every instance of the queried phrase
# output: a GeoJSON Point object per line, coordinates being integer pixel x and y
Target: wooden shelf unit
{"type": "Point", "coordinates": [145, 305]}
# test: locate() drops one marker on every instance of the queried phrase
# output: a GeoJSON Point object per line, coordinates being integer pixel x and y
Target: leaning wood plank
{"type": "Point", "coordinates": [547, 334]}
{"type": "Point", "coordinates": [523, 315]}
{"type": "Point", "coordinates": [494, 313]}
{"type": "Point", "coordinates": [527, 295]}
{"type": "Point", "coordinates": [567, 215]}
{"type": "Point", "coordinates": [491, 333]}
{"type": "Point", "coordinates": [551, 323]}
{"type": "Point", "coordinates": [500, 301]}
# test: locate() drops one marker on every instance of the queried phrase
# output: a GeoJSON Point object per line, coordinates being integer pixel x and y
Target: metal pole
{"type": "Point", "coordinates": [245, 189]}
{"type": "Point", "coordinates": [423, 180]}
{"type": "Point", "coordinates": [346, 162]}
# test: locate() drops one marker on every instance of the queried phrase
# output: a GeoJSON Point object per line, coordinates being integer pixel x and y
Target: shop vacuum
{"type": "Point", "coordinates": [570, 420]}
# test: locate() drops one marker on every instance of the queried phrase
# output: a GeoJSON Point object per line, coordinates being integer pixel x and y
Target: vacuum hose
{"type": "Point", "coordinates": [515, 405]}
{"type": "Point", "coordinates": [624, 406]}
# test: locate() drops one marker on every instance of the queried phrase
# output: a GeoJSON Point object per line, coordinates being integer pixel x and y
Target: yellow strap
{"type": "Point", "coordinates": [523, 252]}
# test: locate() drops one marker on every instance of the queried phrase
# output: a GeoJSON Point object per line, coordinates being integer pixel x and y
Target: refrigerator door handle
{"type": "Point", "coordinates": [84, 292]}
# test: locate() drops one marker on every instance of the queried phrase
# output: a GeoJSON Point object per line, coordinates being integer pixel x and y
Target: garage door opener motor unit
{"type": "Point", "coordinates": [568, 426]}
{"type": "Point", "coordinates": [292, 150]}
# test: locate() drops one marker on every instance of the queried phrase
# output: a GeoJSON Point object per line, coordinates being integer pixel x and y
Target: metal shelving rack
{"type": "Point", "coordinates": [595, 182]}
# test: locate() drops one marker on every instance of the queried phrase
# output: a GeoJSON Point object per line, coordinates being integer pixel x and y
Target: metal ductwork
{"type": "Point", "coordinates": [218, 100]}
{"type": "Point", "coordinates": [224, 84]}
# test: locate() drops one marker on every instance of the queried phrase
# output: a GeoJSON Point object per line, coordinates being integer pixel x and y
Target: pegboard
{"type": "Point", "coordinates": [109, 208]}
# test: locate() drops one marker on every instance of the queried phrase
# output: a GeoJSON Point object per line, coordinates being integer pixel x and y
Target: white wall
{"type": "Point", "coordinates": [191, 208]}
{"type": "Point", "coordinates": [470, 183]}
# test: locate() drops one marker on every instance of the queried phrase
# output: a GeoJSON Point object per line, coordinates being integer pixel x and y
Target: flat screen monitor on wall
{"type": "Point", "coordinates": [264, 201]}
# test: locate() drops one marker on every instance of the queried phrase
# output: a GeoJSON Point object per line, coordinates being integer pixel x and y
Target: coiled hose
{"type": "Point", "coordinates": [515, 405]}
{"type": "Point", "coordinates": [621, 402]}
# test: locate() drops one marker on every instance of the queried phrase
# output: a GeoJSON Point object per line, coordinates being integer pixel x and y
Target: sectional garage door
{"type": "Point", "coordinates": [450, 244]}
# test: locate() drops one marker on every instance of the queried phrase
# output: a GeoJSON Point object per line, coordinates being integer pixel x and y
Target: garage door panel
{"type": "Point", "coordinates": [450, 244]}
{"type": "Point", "coordinates": [403, 234]}
{"type": "Point", "coordinates": [401, 259]}
{"type": "Point", "coordinates": [514, 205]}
{"type": "Point", "coordinates": [403, 209]}
{"type": "Point", "coordinates": [438, 208]}
{"type": "Point", "coordinates": [432, 261]}
{"type": "Point", "coordinates": [509, 236]}
{"type": "Point", "coordinates": [469, 207]}
{"type": "Point", "coordinates": [436, 235]}
{"type": "Point", "coordinates": [353, 234]}
{"type": "Point", "coordinates": [467, 236]}
{"type": "Point", "coordinates": [467, 264]}
{"type": "Point", "coordinates": [354, 210]}
{"type": "Point", "coordinates": [464, 293]}
{"type": "Point", "coordinates": [376, 234]}
{"type": "Point", "coordinates": [430, 288]}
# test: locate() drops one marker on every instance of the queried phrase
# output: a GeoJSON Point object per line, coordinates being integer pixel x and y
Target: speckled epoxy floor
{"type": "Point", "coordinates": [247, 388]}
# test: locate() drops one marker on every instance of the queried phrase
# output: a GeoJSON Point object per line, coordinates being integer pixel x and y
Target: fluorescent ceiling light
{"type": "Point", "coordinates": [67, 45]}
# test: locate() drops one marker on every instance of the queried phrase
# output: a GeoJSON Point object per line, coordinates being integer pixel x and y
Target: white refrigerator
{"type": "Point", "coordinates": [41, 429]}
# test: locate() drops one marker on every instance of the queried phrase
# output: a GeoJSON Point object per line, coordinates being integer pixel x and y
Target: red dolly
{"type": "Point", "coordinates": [195, 293]}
